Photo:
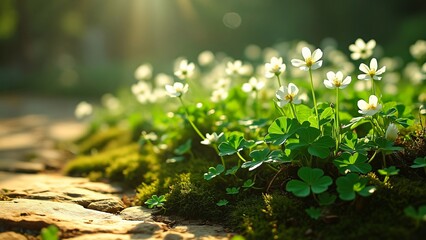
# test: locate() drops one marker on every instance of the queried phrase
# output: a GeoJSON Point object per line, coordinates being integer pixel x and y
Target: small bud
{"type": "Point", "coordinates": [391, 132]}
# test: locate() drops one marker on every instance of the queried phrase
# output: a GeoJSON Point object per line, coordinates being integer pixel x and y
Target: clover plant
{"type": "Point", "coordinates": [313, 180]}
{"type": "Point", "coordinates": [156, 201]}
{"type": "Point", "coordinates": [352, 184]}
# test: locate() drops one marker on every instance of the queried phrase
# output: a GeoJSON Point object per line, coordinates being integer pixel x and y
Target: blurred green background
{"type": "Point", "coordinates": [89, 47]}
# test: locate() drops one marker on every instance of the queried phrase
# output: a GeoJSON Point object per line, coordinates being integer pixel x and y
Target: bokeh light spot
{"type": "Point", "coordinates": [232, 20]}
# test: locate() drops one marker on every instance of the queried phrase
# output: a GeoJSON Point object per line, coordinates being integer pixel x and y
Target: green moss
{"type": "Point", "coordinates": [109, 138]}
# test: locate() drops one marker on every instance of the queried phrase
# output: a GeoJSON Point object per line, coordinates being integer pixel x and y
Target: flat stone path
{"type": "Point", "coordinates": [34, 195]}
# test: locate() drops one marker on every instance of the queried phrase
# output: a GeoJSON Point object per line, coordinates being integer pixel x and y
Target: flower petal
{"type": "Point", "coordinates": [364, 68]}
{"type": "Point", "coordinates": [381, 70]}
{"type": "Point", "coordinates": [372, 100]}
{"type": "Point", "coordinates": [362, 105]}
{"type": "Point", "coordinates": [306, 53]}
{"type": "Point", "coordinates": [297, 62]}
{"type": "Point", "coordinates": [292, 89]}
{"type": "Point", "coordinates": [316, 55]}
{"type": "Point", "coordinates": [363, 77]}
{"type": "Point", "coordinates": [330, 75]}
{"type": "Point", "coordinates": [371, 44]}
{"type": "Point", "coordinates": [339, 75]}
{"type": "Point", "coordinates": [373, 64]}
{"type": "Point", "coordinates": [328, 84]}
{"type": "Point", "coordinates": [316, 65]}
{"type": "Point", "coordinates": [360, 43]}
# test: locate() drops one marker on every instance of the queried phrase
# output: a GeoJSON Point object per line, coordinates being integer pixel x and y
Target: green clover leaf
{"type": "Point", "coordinates": [214, 172]}
{"type": "Point", "coordinates": [326, 198]}
{"type": "Point", "coordinates": [419, 215]}
{"type": "Point", "coordinates": [282, 129]}
{"type": "Point", "coordinates": [353, 144]}
{"type": "Point", "coordinates": [352, 163]}
{"type": "Point", "coordinates": [248, 184]}
{"type": "Point", "coordinates": [184, 148]}
{"type": "Point", "coordinates": [314, 213]}
{"type": "Point", "coordinates": [349, 185]}
{"type": "Point", "coordinates": [419, 162]}
{"type": "Point", "coordinates": [263, 155]}
{"type": "Point", "coordinates": [386, 146]}
{"type": "Point", "coordinates": [388, 171]}
{"type": "Point", "coordinates": [313, 180]}
{"type": "Point", "coordinates": [156, 201]}
{"type": "Point", "coordinates": [50, 232]}
{"type": "Point", "coordinates": [222, 202]}
{"type": "Point", "coordinates": [232, 170]}
{"type": "Point", "coordinates": [233, 190]}
{"type": "Point", "coordinates": [308, 139]}
{"type": "Point", "coordinates": [234, 143]}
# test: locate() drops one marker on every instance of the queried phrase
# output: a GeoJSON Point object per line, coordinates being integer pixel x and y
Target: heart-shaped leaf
{"type": "Point", "coordinates": [419, 162]}
{"type": "Point", "coordinates": [281, 129]}
{"type": "Point", "coordinates": [352, 163]}
{"type": "Point", "coordinates": [313, 180]}
{"type": "Point", "coordinates": [264, 155]}
{"type": "Point", "coordinates": [214, 172]}
{"type": "Point", "coordinates": [234, 143]}
{"type": "Point", "coordinates": [349, 185]}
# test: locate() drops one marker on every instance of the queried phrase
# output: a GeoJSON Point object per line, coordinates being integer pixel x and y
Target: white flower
{"type": "Point", "coordinates": [418, 49]}
{"type": "Point", "coordinates": [143, 72]}
{"type": "Point", "coordinates": [211, 138]}
{"type": "Point", "coordinates": [274, 68]}
{"type": "Point", "coordinates": [83, 109]}
{"type": "Point", "coordinates": [177, 89]}
{"type": "Point", "coordinates": [185, 69]}
{"type": "Point", "coordinates": [361, 49]}
{"type": "Point", "coordinates": [391, 132]}
{"type": "Point", "coordinates": [371, 72]}
{"type": "Point", "coordinates": [238, 68]}
{"type": "Point", "coordinates": [253, 85]}
{"type": "Point", "coordinates": [370, 108]}
{"type": "Point", "coordinates": [162, 79]}
{"type": "Point", "coordinates": [311, 61]}
{"type": "Point", "coordinates": [287, 95]}
{"type": "Point", "coordinates": [219, 95]}
{"type": "Point", "coordinates": [142, 91]}
{"type": "Point", "coordinates": [335, 80]}
{"type": "Point", "coordinates": [205, 58]}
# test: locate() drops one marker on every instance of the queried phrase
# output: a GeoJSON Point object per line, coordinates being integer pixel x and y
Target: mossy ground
{"type": "Point", "coordinates": [254, 213]}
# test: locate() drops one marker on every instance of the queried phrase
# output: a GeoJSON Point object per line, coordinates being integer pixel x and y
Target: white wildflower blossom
{"type": "Point", "coordinates": [311, 60]}
{"type": "Point", "coordinates": [274, 68]}
{"type": "Point", "coordinates": [143, 72]}
{"type": "Point", "coordinates": [238, 68]}
{"type": "Point", "coordinates": [371, 72]}
{"type": "Point", "coordinates": [287, 95]}
{"type": "Point", "coordinates": [370, 108]}
{"type": "Point", "coordinates": [253, 85]}
{"type": "Point", "coordinates": [335, 80]}
{"type": "Point", "coordinates": [211, 138]}
{"type": "Point", "coordinates": [185, 69]}
{"type": "Point", "coordinates": [418, 49]}
{"type": "Point", "coordinates": [361, 49]}
{"type": "Point", "coordinates": [83, 109]}
{"type": "Point", "coordinates": [177, 89]}
{"type": "Point", "coordinates": [205, 58]}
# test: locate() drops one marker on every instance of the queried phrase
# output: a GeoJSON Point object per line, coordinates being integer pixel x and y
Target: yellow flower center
{"type": "Point", "coordinates": [372, 72]}
{"type": "Point", "coordinates": [289, 97]}
{"type": "Point", "coordinates": [309, 62]}
{"type": "Point", "coordinates": [371, 107]}
{"type": "Point", "coordinates": [336, 82]}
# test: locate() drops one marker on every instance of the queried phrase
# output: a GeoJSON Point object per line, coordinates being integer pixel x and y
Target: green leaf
{"type": "Point", "coordinates": [313, 180]}
{"type": "Point", "coordinates": [326, 116]}
{"type": "Point", "coordinates": [156, 201]}
{"type": "Point", "coordinates": [321, 147]}
{"type": "Point", "coordinates": [388, 171]}
{"type": "Point", "coordinates": [233, 190]}
{"type": "Point", "coordinates": [326, 198]}
{"type": "Point", "coordinates": [222, 202]}
{"type": "Point", "coordinates": [248, 183]}
{"type": "Point", "coordinates": [308, 135]}
{"type": "Point", "coordinates": [349, 185]}
{"type": "Point", "coordinates": [184, 148]}
{"type": "Point", "coordinates": [352, 163]}
{"type": "Point", "coordinates": [419, 162]}
{"type": "Point", "coordinates": [214, 172]}
{"type": "Point", "coordinates": [263, 155]}
{"type": "Point", "coordinates": [314, 213]}
{"type": "Point", "coordinates": [353, 144]}
{"type": "Point", "coordinates": [232, 170]}
{"type": "Point", "coordinates": [281, 129]}
{"type": "Point", "coordinates": [50, 233]}
{"type": "Point", "coordinates": [234, 143]}
{"type": "Point", "coordinates": [419, 215]}
{"type": "Point", "coordinates": [386, 146]}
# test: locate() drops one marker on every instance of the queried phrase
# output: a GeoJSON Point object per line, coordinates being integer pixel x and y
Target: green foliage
{"type": "Point", "coordinates": [232, 190]}
{"type": "Point", "coordinates": [264, 156]}
{"type": "Point", "coordinates": [313, 180]}
{"type": "Point", "coordinates": [418, 215]}
{"type": "Point", "coordinates": [234, 143]}
{"type": "Point", "coordinates": [282, 129]}
{"type": "Point", "coordinates": [352, 163]}
{"type": "Point", "coordinates": [309, 138]}
{"type": "Point", "coordinates": [222, 202]}
{"type": "Point", "coordinates": [156, 201]}
{"type": "Point", "coordinates": [314, 213]}
{"type": "Point", "coordinates": [350, 185]}
{"type": "Point", "coordinates": [50, 233]}
{"type": "Point", "coordinates": [214, 172]}
{"type": "Point", "coordinates": [419, 162]}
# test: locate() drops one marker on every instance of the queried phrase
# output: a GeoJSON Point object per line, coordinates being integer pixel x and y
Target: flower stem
{"type": "Point", "coordinates": [278, 79]}
{"type": "Point", "coordinates": [293, 111]}
{"type": "Point", "coordinates": [241, 157]}
{"type": "Point", "coordinates": [337, 119]}
{"type": "Point", "coordinates": [189, 120]}
{"type": "Point", "coordinates": [314, 98]}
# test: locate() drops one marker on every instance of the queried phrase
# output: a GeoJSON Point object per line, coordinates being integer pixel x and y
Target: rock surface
{"type": "Point", "coordinates": [34, 195]}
